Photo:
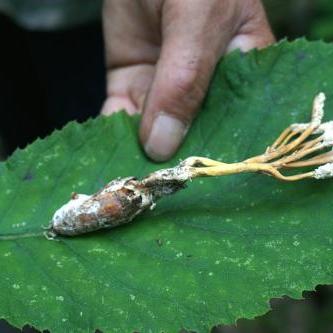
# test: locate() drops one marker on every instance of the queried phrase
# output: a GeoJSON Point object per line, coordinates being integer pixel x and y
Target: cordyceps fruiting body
{"type": "Point", "coordinates": [300, 145]}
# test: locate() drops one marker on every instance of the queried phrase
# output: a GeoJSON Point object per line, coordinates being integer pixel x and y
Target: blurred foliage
{"type": "Point", "coordinates": [322, 23]}
{"type": "Point", "coordinates": [296, 18]}
{"type": "Point", "coordinates": [313, 314]}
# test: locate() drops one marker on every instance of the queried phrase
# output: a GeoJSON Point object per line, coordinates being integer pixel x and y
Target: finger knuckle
{"type": "Point", "coordinates": [189, 80]}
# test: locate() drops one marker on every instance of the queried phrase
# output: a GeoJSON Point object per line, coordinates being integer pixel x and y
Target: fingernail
{"type": "Point", "coordinates": [166, 134]}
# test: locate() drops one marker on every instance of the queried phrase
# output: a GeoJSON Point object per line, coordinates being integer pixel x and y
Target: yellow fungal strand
{"type": "Point", "coordinates": [288, 151]}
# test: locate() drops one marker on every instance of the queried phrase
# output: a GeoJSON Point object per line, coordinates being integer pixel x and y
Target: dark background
{"type": "Point", "coordinates": [50, 78]}
{"type": "Point", "coordinates": [47, 79]}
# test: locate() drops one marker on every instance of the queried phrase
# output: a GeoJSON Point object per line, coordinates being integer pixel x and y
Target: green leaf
{"type": "Point", "coordinates": [211, 254]}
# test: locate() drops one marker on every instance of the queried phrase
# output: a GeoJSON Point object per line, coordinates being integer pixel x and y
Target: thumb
{"type": "Point", "coordinates": [178, 88]}
{"type": "Point", "coordinates": [194, 38]}
{"type": "Point", "coordinates": [179, 85]}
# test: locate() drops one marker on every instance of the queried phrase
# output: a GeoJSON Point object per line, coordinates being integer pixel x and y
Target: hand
{"type": "Point", "coordinates": [161, 54]}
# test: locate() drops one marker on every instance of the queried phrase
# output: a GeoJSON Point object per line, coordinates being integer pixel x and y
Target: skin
{"type": "Point", "coordinates": [161, 55]}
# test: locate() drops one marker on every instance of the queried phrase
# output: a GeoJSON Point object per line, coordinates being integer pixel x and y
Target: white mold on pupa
{"type": "Point", "coordinates": [72, 206]}
{"type": "Point", "coordinates": [324, 129]}
{"type": "Point", "coordinates": [117, 203]}
{"type": "Point", "coordinates": [317, 115]}
{"type": "Point", "coordinates": [324, 171]}
{"type": "Point", "coordinates": [318, 109]}
{"type": "Point", "coordinates": [327, 130]}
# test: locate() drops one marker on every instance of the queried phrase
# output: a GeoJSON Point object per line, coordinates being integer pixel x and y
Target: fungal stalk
{"type": "Point", "coordinates": [298, 146]}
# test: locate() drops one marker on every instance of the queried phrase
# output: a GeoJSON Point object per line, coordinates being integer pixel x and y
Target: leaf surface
{"type": "Point", "coordinates": [211, 254]}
